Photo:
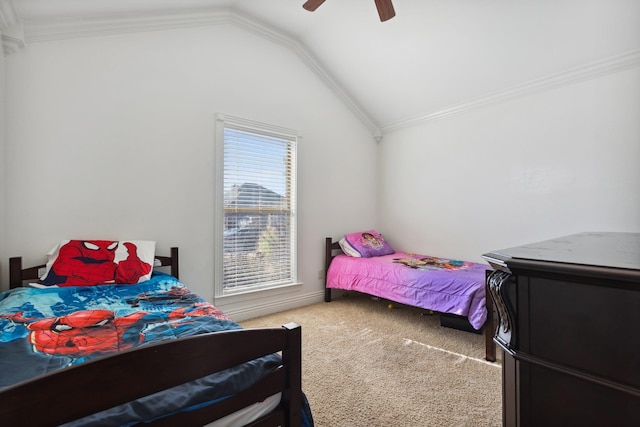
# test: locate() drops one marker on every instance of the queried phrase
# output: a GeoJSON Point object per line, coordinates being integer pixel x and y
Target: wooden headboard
{"type": "Point", "coordinates": [17, 274]}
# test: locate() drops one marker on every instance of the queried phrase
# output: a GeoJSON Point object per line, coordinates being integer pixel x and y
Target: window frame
{"type": "Point", "coordinates": [222, 121]}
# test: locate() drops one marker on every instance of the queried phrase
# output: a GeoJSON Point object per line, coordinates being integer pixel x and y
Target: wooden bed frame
{"type": "Point", "coordinates": [71, 393]}
{"type": "Point", "coordinates": [17, 275]}
{"type": "Point", "coordinates": [489, 327]}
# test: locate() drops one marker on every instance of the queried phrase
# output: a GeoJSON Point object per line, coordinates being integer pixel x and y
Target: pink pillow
{"type": "Point", "coordinates": [369, 243]}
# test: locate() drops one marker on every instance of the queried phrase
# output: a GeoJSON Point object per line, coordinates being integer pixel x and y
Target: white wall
{"type": "Point", "coordinates": [545, 165]}
{"type": "Point", "coordinates": [112, 137]}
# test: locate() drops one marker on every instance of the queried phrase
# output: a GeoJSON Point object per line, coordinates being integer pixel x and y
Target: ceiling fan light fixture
{"type": "Point", "coordinates": [312, 5]}
{"type": "Point", "coordinates": [385, 10]}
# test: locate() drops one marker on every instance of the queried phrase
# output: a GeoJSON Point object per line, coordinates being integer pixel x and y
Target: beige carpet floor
{"type": "Point", "coordinates": [366, 365]}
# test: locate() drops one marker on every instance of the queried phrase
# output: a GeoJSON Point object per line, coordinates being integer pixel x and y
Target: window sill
{"type": "Point", "coordinates": [252, 294]}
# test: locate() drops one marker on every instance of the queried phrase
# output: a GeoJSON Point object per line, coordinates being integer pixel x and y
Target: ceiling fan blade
{"type": "Point", "coordinates": [385, 9]}
{"type": "Point", "coordinates": [312, 5]}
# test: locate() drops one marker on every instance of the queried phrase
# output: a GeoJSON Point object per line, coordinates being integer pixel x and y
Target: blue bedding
{"type": "Point", "coordinates": [42, 330]}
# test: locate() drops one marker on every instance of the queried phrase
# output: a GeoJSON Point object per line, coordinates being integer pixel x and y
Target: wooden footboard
{"type": "Point", "coordinates": [71, 393]}
{"type": "Point", "coordinates": [88, 388]}
{"type": "Point", "coordinates": [489, 326]}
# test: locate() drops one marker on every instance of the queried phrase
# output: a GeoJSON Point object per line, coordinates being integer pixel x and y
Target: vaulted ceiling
{"type": "Point", "coordinates": [432, 58]}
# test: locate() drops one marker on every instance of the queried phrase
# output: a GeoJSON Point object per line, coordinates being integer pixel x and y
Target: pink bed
{"type": "Point", "coordinates": [445, 286]}
{"type": "Point", "coordinates": [455, 289]}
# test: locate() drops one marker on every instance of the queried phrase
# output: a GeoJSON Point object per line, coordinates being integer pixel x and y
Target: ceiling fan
{"type": "Point", "coordinates": [385, 8]}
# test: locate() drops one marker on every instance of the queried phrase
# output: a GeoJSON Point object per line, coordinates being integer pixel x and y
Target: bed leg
{"type": "Point", "coordinates": [327, 293]}
{"type": "Point", "coordinates": [327, 261]}
{"type": "Point", "coordinates": [490, 326]}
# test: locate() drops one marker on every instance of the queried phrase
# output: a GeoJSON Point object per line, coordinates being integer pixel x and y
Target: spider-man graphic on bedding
{"type": "Point", "coordinates": [69, 325]}
{"type": "Point", "coordinates": [92, 332]}
{"type": "Point", "coordinates": [87, 262]}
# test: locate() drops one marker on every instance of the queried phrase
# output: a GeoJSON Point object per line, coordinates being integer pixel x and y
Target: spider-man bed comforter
{"type": "Point", "coordinates": [42, 330]}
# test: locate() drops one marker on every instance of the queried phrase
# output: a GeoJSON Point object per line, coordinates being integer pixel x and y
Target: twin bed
{"type": "Point", "coordinates": [146, 352]}
{"type": "Point", "coordinates": [454, 289]}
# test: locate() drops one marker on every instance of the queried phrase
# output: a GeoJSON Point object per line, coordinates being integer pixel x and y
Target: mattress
{"type": "Point", "coordinates": [438, 284]}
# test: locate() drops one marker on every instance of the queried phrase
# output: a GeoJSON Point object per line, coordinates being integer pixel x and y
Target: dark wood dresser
{"type": "Point", "coordinates": [569, 325]}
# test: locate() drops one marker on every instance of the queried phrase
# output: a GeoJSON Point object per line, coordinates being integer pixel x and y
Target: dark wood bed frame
{"type": "Point", "coordinates": [489, 327]}
{"type": "Point", "coordinates": [17, 275]}
{"type": "Point", "coordinates": [71, 393]}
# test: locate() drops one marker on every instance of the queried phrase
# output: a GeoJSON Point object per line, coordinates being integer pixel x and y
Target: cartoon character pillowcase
{"type": "Point", "coordinates": [96, 262]}
{"type": "Point", "coordinates": [369, 244]}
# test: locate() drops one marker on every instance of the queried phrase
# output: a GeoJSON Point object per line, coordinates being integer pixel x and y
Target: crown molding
{"type": "Point", "coordinates": [103, 25]}
{"type": "Point", "coordinates": [41, 31]}
{"type": "Point", "coordinates": [585, 72]}
{"type": "Point", "coordinates": [10, 28]}
{"type": "Point", "coordinates": [89, 26]}
{"type": "Point", "coordinates": [11, 44]}
{"type": "Point", "coordinates": [8, 14]}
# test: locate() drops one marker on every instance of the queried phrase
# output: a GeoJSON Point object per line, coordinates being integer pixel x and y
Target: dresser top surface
{"type": "Point", "coordinates": [610, 250]}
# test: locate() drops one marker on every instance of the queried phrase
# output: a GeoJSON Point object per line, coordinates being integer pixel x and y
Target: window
{"type": "Point", "coordinates": [256, 205]}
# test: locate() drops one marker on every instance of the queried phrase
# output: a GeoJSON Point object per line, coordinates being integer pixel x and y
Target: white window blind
{"type": "Point", "coordinates": [259, 201]}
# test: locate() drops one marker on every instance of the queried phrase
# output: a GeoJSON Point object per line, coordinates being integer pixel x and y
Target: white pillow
{"type": "Point", "coordinates": [348, 249]}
